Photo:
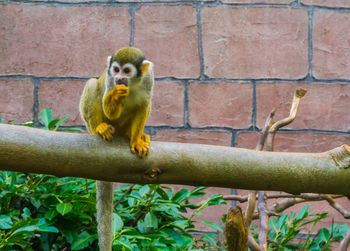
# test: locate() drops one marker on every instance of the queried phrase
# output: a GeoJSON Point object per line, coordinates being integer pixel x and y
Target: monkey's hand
{"type": "Point", "coordinates": [105, 130]}
{"type": "Point", "coordinates": [141, 145]}
{"type": "Point", "coordinates": [119, 92]}
{"type": "Point", "coordinates": [112, 102]}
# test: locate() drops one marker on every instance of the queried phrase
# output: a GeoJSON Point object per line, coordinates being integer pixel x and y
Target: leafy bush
{"type": "Point", "coordinates": [41, 212]}
{"type": "Point", "coordinates": [285, 230]}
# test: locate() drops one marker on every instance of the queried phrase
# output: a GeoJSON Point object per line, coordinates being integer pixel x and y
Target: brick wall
{"type": "Point", "coordinates": [220, 66]}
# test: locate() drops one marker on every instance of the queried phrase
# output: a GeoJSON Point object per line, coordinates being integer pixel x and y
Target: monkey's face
{"type": "Point", "coordinates": [122, 73]}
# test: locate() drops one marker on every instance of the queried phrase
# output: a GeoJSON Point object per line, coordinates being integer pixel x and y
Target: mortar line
{"type": "Point", "coordinates": [310, 43]}
{"type": "Point", "coordinates": [36, 83]}
{"type": "Point", "coordinates": [254, 105]}
{"type": "Point", "coordinates": [132, 10]}
{"type": "Point", "coordinates": [186, 100]}
{"type": "Point", "coordinates": [200, 40]}
{"type": "Point", "coordinates": [179, 3]}
{"type": "Point", "coordinates": [202, 81]}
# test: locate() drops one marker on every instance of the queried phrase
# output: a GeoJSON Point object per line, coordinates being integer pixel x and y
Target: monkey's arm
{"type": "Point", "coordinates": [113, 101]}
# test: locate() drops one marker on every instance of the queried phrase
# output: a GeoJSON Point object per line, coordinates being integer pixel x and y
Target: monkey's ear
{"type": "Point", "coordinates": [145, 66]}
{"type": "Point", "coordinates": [108, 60]}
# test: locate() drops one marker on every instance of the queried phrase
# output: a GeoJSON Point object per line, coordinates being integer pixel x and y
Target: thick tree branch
{"type": "Point", "coordinates": [33, 150]}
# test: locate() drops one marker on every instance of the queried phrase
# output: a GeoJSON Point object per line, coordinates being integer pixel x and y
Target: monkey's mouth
{"type": "Point", "coordinates": [121, 82]}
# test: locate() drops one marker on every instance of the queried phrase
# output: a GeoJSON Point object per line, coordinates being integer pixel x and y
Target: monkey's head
{"type": "Point", "coordinates": [127, 64]}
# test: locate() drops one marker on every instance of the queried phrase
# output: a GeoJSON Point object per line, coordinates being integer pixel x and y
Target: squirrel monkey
{"type": "Point", "coordinates": [119, 103]}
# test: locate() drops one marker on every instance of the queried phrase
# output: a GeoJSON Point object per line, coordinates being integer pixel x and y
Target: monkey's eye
{"type": "Point", "coordinates": [126, 70]}
{"type": "Point", "coordinates": [116, 69]}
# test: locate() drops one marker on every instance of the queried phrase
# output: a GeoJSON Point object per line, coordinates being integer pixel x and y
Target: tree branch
{"type": "Point", "coordinates": [298, 94]}
{"type": "Point", "coordinates": [25, 149]}
{"type": "Point", "coordinates": [345, 243]}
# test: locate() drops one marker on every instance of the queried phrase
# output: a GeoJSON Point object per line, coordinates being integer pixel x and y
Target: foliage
{"type": "Point", "coordinates": [151, 217]}
{"type": "Point", "coordinates": [285, 229]}
{"type": "Point", "coordinates": [36, 212]}
{"type": "Point", "coordinates": [41, 212]}
{"type": "Point", "coordinates": [49, 123]}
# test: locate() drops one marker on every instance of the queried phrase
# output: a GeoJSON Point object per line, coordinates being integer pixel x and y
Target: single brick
{"type": "Point", "coordinates": [328, 3]}
{"type": "Point", "coordinates": [259, 1]}
{"type": "Point", "coordinates": [62, 97]}
{"type": "Point", "coordinates": [60, 40]}
{"type": "Point", "coordinates": [16, 100]}
{"type": "Point", "coordinates": [324, 107]}
{"type": "Point", "coordinates": [168, 37]}
{"type": "Point", "coordinates": [195, 137]}
{"type": "Point", "coordinates": [220, 104]}
{"type": "Point", "coordinates": [296, 142]}
{"type": "Point", "coordinates": [331, 51]}
{"type": "Point", "coordinates": [255, 42]}
{"type": "Point", "coordinates": [167, 105]}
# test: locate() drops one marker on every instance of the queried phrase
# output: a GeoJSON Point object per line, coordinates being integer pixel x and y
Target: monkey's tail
{"type": "Point", "coordinates": [104, 205]}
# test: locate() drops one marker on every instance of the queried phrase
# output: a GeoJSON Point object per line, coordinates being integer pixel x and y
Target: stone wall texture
{"type": "Point", "coordinates": [220, 67]}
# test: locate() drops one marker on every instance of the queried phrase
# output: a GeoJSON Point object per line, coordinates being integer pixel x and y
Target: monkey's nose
{"type": "Point", "coordinates": [122, 81]}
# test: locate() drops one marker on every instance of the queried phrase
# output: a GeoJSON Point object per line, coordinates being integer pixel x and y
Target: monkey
{"type": "Point", "coordinates": [118, 103]}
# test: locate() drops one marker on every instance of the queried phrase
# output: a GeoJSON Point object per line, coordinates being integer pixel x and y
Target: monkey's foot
{"type": "Point", "coordinates": [140, 146]}
{"type": "Point", "coordinates": [105, 130]}
{"type": "Point", "coordinates": [145, 137]}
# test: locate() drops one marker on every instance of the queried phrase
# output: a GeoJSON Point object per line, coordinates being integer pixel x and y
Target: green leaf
{"type": "Point", "coordinates": [64, 208]}
{"type": "Point", "coordinates": [181, 195]}
{"type": "Point", "coordinates": [144, 190]}
{"type": "Point", "coordinates": [46, 117]}
{"type": "Point", "coordinates": [124, 246]}
{"type": "Point", "coordinates": [117, 223]}
{"type": "Point", "coordinates": [151, 220]}
{"type": "Point", "coordinates": [303, 213]}
{"type": "Point", "coordinates": [5, 222]}
{"type": "Point", "coordinates": [49, 229]}
{"type": "Point", "coordinates": [324, 234]}
{"type": "Point", "coordinates": [162, 193]}
{"type": "Point", "coordinates": [50, 214]}
{"type": "Point", "coordinates": [83, 240]}
{"type": "Point", "coordinates": [61, 121]}
{"type": "Point", "coordinates": [212, 225]}
{"type": "Point", "coordinates": [31, 228]}
{"type": "Point", "coordinates": [72, 129]}
{"type": "Point", "coordinates": [26, 213]}
{"type": "Point", "coordinates": [53, 123]}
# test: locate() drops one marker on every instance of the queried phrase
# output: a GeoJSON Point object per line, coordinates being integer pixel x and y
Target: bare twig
{"type": "Point", "coordinates": [265, 131]}
{"type": "Point", "coordinates": [299, 93]}
{"type": "Point", "coordinates": [253, 245]}
{"type": "Point", "coordinates": [242, 199]}
{"type": "Point", "coordinates": [123, 196]}
{"type": "Point", "coordinates": [344, 244]}
{"type": "Point", "coordinates": [337, 207]}
{"type": "Point", "coordinates": [248, 214]}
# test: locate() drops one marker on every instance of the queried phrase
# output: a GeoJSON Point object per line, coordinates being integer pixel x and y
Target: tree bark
{"type": "Point", "coordinates": [31, 150]}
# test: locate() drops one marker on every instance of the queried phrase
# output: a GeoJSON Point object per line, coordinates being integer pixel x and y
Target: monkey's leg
{"type": "Point", "coordinates": [105, 130]}
{"type": "Point", "coordinates": [104, 206]}
{"type": "Point", "coordinates": [145, 137]}
{"type": "Point", "coordinates": [139, 141]}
